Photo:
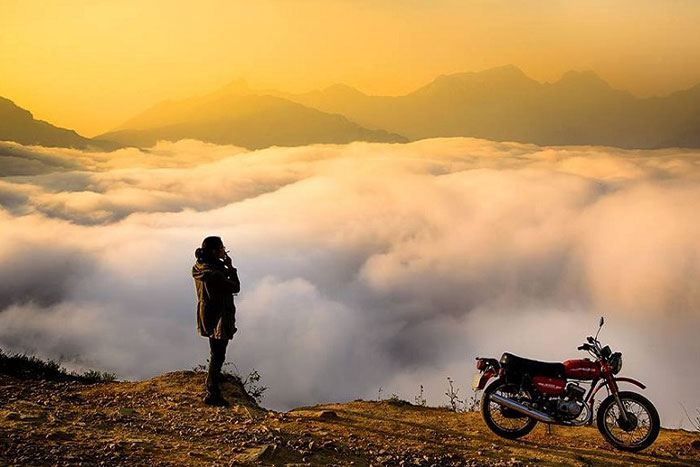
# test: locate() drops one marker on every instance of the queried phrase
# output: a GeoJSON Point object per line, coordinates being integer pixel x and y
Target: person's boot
{"type": "Point", "coordinates": [214, 397]}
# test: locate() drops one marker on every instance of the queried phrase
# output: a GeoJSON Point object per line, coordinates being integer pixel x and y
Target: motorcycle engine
{"type": "Point", "coordinates": [571, 405]}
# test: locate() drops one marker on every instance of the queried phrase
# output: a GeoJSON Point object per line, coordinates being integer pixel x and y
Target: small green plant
{"type": "Point", "coordinates": [452, 396]}
{"type": "Point", "coordinates": [253, 387]}
{"type": "Point", "coordinates": [251, 383]}
{"type": "Point", "coordinates": [396, 401]}
{"type": "Point", "coordinates": [419, 399]}
{"type": "Point", "coordinates": [472, 405]}
{"type": "Point", "coordinates": [694, 419]}
{"type": "Point", "coordinates": [101, 376]}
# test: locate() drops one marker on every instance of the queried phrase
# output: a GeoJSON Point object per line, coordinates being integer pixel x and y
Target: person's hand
{"type": "Point", "coordinates": [228, 262]}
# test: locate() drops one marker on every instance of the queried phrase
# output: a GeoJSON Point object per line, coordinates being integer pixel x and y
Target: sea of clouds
{"type": "Point", "coordinates": [362, 265]}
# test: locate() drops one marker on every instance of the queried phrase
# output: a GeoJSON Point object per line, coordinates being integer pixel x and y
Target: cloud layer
{"type": "Point", "coordinates": [363, 265]}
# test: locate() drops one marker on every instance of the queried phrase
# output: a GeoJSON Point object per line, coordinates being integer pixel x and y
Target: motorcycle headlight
{"type": "Point", "coordinates": [616, 362]}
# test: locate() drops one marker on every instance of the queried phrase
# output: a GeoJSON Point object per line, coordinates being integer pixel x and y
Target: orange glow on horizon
{"type": "Point", "coordinates": [89, 65]}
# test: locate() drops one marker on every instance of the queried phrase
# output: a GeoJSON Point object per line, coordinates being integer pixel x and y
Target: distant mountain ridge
{"type": "Point", "coordinates": [504, 104]}
{"type": "Point", "coordinates": [236, 115]}
{"type": "Point", "coordinates": [170, 111]}
{"type": "Point", "coordinates": [19, 125]}
{"type": "Point", "coordinates": [498, 104]}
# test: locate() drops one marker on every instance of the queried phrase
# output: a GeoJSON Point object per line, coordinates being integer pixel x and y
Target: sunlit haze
{"type": "Point", "coordinates": [90, 65]}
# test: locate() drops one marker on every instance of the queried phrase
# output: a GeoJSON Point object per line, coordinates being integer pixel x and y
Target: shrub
{"type": "Point", "coordinates": [23, 366]}
{"type": "Point", "coordinates": [100, 376]}
{"type": "Point", "coordinates": [694, 419]}
{"type": "Point", "coordinates": [251, 383]}
{"type": "Point", "coordinates": [452, 396]}
{"type": "Point", "coordinates": [472, 405]}
{"type": "Point", "coordinates": [419, 399]}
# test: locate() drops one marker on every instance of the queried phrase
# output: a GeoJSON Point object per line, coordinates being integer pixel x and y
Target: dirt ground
{"type": "Point", "coordinates": [163, 422]}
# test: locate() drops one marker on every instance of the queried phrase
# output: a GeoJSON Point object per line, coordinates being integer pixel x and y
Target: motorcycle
{"type": "Point", "coordinates": [525, 392]}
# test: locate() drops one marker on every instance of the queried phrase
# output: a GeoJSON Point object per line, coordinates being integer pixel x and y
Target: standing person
{"type": "Point", "coordinates": [216, 280]}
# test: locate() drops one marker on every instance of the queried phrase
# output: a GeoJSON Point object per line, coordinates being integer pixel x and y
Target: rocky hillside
{"type": "Point", "coordinates": [162, 422]}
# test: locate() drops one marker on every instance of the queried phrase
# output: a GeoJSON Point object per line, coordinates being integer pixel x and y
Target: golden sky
{"type": "Point", "coordinates": [91, 64]}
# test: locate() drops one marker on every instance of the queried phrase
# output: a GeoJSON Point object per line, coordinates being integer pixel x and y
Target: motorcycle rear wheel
{"type": "Point", "coordinates": [641, 429]}
{"type": "Point", "coordinates": [501, 420]}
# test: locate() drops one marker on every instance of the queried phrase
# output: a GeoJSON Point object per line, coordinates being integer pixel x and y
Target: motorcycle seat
{"type": "Point", "coordinates": [532, 367]}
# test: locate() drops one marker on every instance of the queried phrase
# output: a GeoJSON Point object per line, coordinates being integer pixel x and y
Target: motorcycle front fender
{"type": "Point", "coordinates": [621, 379]}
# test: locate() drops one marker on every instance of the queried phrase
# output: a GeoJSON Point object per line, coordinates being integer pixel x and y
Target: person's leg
{"type": "Point", "coordinates": [217, 356]}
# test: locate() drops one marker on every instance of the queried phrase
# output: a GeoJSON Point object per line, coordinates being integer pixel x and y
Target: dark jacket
{"type": "Point", "coordinates": [215, 284]}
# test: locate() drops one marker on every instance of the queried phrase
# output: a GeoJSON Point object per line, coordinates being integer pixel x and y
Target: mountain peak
{"type": "Point", "coordinates": [505, 70]}
{"type": "Point", "coordinates": [499, 72]}
{"type": "Point", "coordinates": [507, 77]}
{"type": "Point", "coordinates": [20, 126]}
{"type": "Point", "coordinates": [585, 77]}
{"type": "Point", "coordinates": [238, 86]}
{"type": "Point", "coordinates": [7, 106]}
{"type": "Point", "coordinates": [342, 90]}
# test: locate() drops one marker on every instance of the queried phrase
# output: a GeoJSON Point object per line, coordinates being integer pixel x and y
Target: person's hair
{"type": "Point", "coordinates": [209, 246]}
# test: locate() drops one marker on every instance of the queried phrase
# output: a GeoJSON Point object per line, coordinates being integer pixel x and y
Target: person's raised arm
{"type": "Point", "coordinates": [230, 284]}
{"type": "Point", "coordinates": [219, 281]}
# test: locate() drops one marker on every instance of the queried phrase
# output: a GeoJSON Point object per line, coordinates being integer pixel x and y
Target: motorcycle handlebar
{"type": "Point", "coordinates": [584, 347]}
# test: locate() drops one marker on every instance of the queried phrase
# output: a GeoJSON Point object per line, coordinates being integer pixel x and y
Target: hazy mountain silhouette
{"type": "Point", "coordinates": [20, 126]}
{"type": "Point", "coordinates": [500, 104]}
{"type": "Point", "coordinates": [236, 115]}
{"type": "Point", "coordinates": [171, 112]}
{"type": "Point", "coordinates": [503, 104]}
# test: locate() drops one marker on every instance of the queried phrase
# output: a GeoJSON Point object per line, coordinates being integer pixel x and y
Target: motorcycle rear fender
{"type": "Point", "coordinates": [485, 379]}
{"type": "Point", "coordinates": [621, 379]}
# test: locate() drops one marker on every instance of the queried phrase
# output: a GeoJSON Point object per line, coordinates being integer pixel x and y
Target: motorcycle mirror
{"type": "Point", "coordinates": [602, 321]}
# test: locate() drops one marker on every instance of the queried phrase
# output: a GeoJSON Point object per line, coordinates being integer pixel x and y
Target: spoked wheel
{"type": "Point", "coordinates": [639, 430]}
{"type": "Point", "coordinates": [503, 421]}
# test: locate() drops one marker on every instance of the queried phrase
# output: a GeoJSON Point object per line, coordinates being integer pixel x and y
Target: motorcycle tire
{"type": "Point", "coordinates": [622, 437]}
{"type": "Point", "coordinates": [487, 412]}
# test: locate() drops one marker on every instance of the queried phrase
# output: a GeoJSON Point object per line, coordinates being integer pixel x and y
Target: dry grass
{"type": "Point", "coordinates": [163, 422]}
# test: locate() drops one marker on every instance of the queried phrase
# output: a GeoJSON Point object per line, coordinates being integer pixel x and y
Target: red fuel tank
{"type": "Point", "coordinates": [581, 369]}
{"type": "Point", "coordinates": [551, 386]}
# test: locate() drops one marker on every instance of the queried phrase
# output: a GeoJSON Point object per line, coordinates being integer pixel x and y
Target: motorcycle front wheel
{"type": "Point", "coordinates": [639, 430]}
{"type": "Point", "coordinates": [503, 421]}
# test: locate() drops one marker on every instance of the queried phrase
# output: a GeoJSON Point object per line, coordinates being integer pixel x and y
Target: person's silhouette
{"type": "Point", "coordinates": [216, 280]}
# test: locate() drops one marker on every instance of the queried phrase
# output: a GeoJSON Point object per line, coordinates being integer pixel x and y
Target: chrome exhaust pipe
{"type": "Point", "coordinates": [518, 407]}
